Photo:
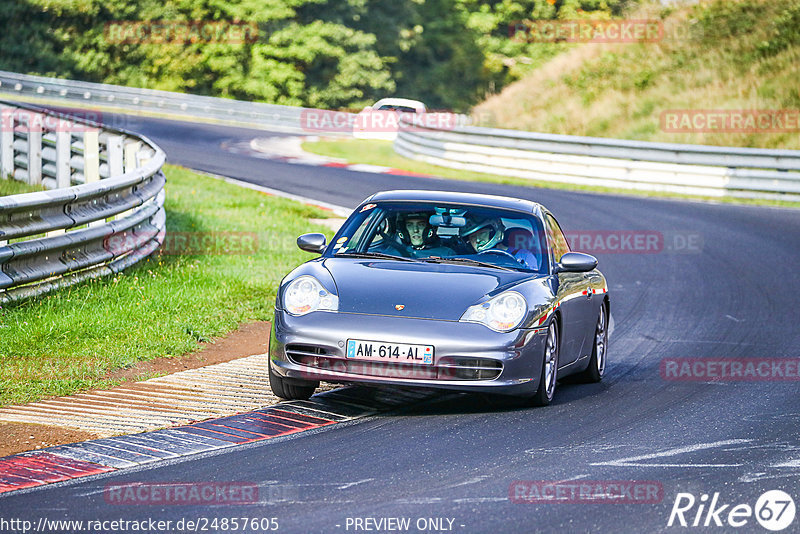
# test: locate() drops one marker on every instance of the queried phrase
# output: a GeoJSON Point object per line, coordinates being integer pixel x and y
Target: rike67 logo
{"type": "Point", "coordinates": [774, 510]}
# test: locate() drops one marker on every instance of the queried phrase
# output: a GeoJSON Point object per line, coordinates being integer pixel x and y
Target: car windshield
{"type": "Point", "coordinates": [444, 233]}
{"type": "Point", "coordinates": [392, 107]}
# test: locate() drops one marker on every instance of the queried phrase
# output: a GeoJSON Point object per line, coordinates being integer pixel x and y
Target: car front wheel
{"type": "Point", "coordinates": [290, 389]}
{"type": "Point", "coordinates": [547, 380]}
{"type": "Point", "coordinates": [597, 363]}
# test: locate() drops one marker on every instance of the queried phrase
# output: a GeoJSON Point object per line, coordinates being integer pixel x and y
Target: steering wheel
{"type": "Point", "coordinates": [498, 251]}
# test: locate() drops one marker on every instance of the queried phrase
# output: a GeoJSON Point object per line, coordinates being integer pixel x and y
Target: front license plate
{"type": "Point", "coordinates": [359, 349]}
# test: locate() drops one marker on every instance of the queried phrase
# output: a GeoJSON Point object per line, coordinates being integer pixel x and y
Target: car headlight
{"type": "Point", "coordinates": [306, 294]}
{"type": "Point", "coordinates": [501, 313]}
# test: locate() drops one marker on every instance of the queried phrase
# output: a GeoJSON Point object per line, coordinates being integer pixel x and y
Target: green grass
{"type": "Point", "coordinates": [70, 339]}
{"type": "Point", "coordinates": [14, 187]}
{"type": "Point", "coordinates": [375, 152]}
{"type": "Point", "coordinates": [718, 54]}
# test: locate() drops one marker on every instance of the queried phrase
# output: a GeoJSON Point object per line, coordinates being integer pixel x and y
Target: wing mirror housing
{"type": "Point", "coordinates": [314, 243]}
{"type": "Point", "coordinates": [576, 262]}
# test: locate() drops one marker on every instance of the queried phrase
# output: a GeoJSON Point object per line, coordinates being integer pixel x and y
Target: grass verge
{"type": "Point", "coordinates": [713, 55]}
{"type": "Point", "coordinates": [374, 152]}
{"type": "Point", "coordinates": [70, 340]}
{"type": "Point", "coordinates": [15, 187]}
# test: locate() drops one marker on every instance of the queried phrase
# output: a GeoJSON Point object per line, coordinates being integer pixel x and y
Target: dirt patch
{"type": "Point", "coordinates": [249, 339]}
{"type": "Point", "coordinates": [19, 437]}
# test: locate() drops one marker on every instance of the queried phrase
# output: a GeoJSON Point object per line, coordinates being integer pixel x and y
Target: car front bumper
{"type": "Point", "coordinates": [467, 356]}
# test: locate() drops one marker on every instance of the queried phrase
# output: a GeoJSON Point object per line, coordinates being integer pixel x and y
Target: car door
{"type": "Point", "coordinates": [571, 294]}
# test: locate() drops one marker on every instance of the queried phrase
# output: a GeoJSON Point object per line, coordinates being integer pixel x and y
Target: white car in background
{"type": "Point", "coordinates": [381, 119]}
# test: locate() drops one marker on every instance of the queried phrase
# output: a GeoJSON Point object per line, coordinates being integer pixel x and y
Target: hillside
{"type": "Point", "coordinates": [321, 53]}
{"type": "Point", "coordinates": [721, 55]}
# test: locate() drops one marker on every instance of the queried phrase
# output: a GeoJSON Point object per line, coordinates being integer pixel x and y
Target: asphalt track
{"type": "Point", "coordinates": [732, 294]}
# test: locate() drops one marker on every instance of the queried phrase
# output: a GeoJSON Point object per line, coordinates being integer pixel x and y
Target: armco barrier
{"type": "Point", "coordinates": [686, 169]}
{"type": "Point", "coordinates": [102, 182]}
{"type": "Point", "coordinates": [222, 110]}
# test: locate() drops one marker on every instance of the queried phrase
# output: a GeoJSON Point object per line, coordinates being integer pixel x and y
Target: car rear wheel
{"type": "Point", "coordinates": [597, 363]}
{"type": "Point", "coordinates": [547, 380]}
{"type": "Point", "coordinates": [290, 389]}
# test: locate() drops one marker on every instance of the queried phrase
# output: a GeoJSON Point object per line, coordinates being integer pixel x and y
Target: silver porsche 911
{"type": "Point", "coordinates": [444, 290]}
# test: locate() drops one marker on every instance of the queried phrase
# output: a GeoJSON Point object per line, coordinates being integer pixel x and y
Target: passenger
{"type": "Point", "coordinates": [416, 233]}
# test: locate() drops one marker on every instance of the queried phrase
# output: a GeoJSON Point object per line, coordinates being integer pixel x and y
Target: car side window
{"type": "Point", "coordinates": [556, 237]}
{"type": "Point", "coordinates": [349, 243]}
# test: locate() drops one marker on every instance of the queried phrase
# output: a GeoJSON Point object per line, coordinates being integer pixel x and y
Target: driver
{"type": "Point", "coordinates": [416, 232]}
{"type": "Point", "coordinates": [487, 234]}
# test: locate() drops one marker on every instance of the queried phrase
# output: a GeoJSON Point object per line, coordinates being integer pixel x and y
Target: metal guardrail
{"type": "Point", "coordinates": [104, 210]}
{"type": "Point", "coordinates": [236, 112]}
{"type": "Point", "coordinates": [686, 169]}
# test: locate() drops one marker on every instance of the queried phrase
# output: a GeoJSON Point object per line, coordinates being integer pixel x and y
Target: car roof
{"type": "Point", "coordinates": [414, 195]}
{"type": "Point", "coordinates": [399, 102]}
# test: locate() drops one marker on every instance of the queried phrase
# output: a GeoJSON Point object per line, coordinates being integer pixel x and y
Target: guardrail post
{"type": "Point", "coordinates": [35, 123]}
{"type": "Point", "coordinates": [6, 142]}
{"type": "Point", "coordinates": [63, 155]}
{"type": "Point", "coordinates": [115, 155]}
{"type": "Point", "coordinates": [91, 155]}
{"type": "Point", "coordinates": [63, 168]}
{"type": "Point", "coordinates": [91, 160]}
{"type": "Point", "coordinates": [131, 152]}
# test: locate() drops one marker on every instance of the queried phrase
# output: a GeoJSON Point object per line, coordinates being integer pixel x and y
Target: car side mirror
{"type": "Point", "coordinates": [576, 262]}
{"type": "Point", "coordinates": [312, 243]}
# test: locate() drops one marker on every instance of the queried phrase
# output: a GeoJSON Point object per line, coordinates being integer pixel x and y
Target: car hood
{"type": "Point", "coordinates": [423, 290]}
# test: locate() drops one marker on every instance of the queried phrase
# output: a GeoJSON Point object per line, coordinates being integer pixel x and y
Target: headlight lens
{"type": "Point", "coordinates": [306, 294]}
{"type": "Point", "coordinates": [502, 313]}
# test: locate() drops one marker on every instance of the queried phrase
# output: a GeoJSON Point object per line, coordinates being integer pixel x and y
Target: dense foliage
{"type": "Point", "coordinates": [715, 55]}
{"type": "Point", "coordinates": [321, 53]}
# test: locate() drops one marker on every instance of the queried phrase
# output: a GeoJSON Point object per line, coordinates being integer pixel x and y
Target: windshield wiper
{"type": "Point", "coordinates": [375, 255]}
{"type": "Point", "coordinates": [437, 259]}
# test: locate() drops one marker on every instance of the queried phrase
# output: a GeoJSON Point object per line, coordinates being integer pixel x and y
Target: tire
{"type": "Point", "coordinates": [597, 363]}
{"type": "Point", "coordinates": [547, 380]}
{"type": "Point", "coordinates": [290, 389]}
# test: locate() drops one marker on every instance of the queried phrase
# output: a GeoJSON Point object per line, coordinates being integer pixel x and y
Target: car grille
{"type": "Point", "coordinates": [296, 352]}
{"type": "Point", "coordinates": [451, 368]}
{"type": "Point", "coordinates": [470, 368]}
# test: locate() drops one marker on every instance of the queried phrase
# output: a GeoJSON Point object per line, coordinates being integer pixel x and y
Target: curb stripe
{"type": "Point", "coordinates": [131, 446]}
{"type": "Point", "coordinates": [311, 160]}
{"type": "Point", "coordinates": [264, 422]}
{"type": "Point", "coordinates": [65, 462]}
{"type": "Point", "coordinates": [214, 434]}
{"type": "Point", "coordinates": [35, 469]}
{"type": "Point", "coordinates": [297, 417]}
